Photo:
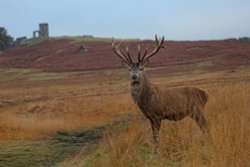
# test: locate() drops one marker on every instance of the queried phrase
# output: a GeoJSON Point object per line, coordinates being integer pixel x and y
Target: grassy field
{"type": "Point", "coordinates": [88, 119]}
{"type": "Point", "coordinates": [85, 38]}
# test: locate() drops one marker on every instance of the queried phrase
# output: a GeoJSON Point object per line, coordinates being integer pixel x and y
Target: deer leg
{"type": "Point", "coordinates": [200, 120]}
{"type": "Point", "coordinates": [155, 125]}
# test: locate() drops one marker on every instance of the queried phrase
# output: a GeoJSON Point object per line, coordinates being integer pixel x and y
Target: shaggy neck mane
{"type": "Point", "coordinates": [139, 89]}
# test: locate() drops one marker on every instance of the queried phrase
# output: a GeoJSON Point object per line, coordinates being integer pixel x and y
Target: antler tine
{"type": "Point", "coordinates": [118, 52]}
{"type": "Point", "coordinates": [156, 39]}
{"type": "Point", "coordinates": [162, 40]}
{"type": "Point", "coordinates": [145, 53]}
{"type": "Point", "coordinates": [139, 53]}
{"type": "Point", "coordinates": [159, 45]}
{"type": "Point", "coordinates": [128, 54]}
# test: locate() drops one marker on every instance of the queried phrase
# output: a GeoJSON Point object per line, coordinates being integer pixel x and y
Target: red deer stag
{"type": "Point", "coordinates": [159, 103]}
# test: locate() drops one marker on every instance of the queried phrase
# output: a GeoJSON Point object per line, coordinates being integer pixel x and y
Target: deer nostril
{"type": "Point", "coordinates": [134, 77]}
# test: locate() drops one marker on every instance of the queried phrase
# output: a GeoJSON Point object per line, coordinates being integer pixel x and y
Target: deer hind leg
{"type": "Point", "coordinates": [155, 125]}
{"type": "Point", "coordinates": [198, 116]}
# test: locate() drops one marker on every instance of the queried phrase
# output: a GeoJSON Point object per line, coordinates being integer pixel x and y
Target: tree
{"type": "Point", "coordinates": [5, 39]}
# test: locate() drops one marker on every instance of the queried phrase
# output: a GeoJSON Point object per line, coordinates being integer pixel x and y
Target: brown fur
{"type": "Point", "coordinates": [159, 103]}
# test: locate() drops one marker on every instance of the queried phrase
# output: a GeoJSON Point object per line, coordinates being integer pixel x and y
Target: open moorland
{"type": "Point", "coordinates": [63, 107]}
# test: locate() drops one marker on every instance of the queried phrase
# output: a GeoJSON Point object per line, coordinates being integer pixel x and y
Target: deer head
{"type": "Point", "coordinates": [136, 70]}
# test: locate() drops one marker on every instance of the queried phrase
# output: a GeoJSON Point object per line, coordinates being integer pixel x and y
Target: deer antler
{"type": "Point", "coordinates": [125, 57]}
{"type": "Point", "coordinates": [159, 45]}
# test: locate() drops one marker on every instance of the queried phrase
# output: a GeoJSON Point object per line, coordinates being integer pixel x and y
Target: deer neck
{"type": "Point", "coordinates": [139, 89]}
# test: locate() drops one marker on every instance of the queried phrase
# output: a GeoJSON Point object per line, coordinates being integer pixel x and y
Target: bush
{"type": "Point", "coordinates": [5, 39]}
{"type": "Point", "coordinates": [244, 39]}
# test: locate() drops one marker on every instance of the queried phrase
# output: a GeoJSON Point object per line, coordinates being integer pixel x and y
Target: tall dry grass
{"type": "Point", "coordinates": [43, 110]}
{"type": "Point", "coordinates": [181, 143]}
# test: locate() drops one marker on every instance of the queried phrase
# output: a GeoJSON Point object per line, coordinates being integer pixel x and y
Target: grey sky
{"type": "Point", "coordinates": [175, 19]}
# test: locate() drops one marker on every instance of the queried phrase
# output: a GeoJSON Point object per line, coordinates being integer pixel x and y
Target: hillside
{"type": "Point", "coordinates": [62, 55]}
{"type": "Point", "coordinates": [53, 113]}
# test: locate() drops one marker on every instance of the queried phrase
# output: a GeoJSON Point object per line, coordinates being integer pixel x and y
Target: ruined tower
{"type": "Point", "coordinates": [43, 31]}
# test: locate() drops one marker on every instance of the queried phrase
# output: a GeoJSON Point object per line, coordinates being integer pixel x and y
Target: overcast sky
{"type": "Point", "coordinates": [175, 19]}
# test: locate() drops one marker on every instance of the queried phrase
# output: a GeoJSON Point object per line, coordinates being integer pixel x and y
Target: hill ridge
{"type": "Point", "coordinates": [59, 55]}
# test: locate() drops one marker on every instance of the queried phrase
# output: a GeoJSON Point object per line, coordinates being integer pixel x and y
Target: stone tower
{"type": "Point", "coordinates": [44, 30]}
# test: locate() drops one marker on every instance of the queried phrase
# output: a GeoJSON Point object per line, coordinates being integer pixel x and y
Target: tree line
{"type": "Point", "coordinates": [7, 41]}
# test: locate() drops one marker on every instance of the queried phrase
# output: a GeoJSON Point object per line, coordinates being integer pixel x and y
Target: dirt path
{"type": "Point", "coordinates": [49, 151]}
